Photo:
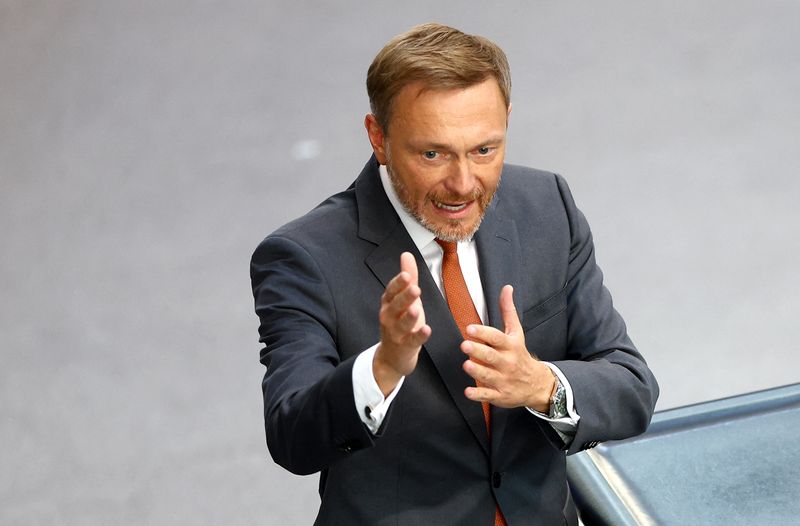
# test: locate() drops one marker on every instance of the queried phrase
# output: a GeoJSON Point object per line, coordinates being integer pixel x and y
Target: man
{"type": "Point", "coordinates": [436, 341]}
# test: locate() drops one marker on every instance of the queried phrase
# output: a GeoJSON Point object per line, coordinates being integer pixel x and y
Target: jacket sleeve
{"type": "Point", "coordinates": [309, 411]}
{"type": "Point", "coordinates": [614, 390]}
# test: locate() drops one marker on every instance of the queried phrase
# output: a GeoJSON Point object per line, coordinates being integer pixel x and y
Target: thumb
{"type": "Point", "coordinates": [409, 264]}
{"type": "Point", "coordinates": [508, 311]}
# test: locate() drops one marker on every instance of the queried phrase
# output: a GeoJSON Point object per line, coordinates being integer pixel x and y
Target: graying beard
{"type": "Point", "coordinates": [402, 193]}
{"type": "Point", "coordinates": [446, 236]}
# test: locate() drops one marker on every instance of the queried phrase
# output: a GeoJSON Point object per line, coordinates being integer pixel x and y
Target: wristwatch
{"type": "Point", "coordinates": [558, 402]}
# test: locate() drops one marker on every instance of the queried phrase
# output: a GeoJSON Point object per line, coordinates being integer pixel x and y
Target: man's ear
{"type": "Point", "coordinates": [376, 137]}
{"type": "Point", "coordinates": [508, 115]}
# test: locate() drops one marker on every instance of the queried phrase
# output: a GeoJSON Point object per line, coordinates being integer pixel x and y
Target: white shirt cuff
{"type": "Point", "coordinates": [370, 403]}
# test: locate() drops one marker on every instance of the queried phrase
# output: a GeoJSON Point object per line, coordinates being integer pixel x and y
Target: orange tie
{"type": "Point", "coordinates": [464, 313]}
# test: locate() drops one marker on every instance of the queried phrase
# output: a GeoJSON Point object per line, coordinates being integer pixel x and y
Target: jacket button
{"type": "Point", "coordinates": [497, 479]}
{"type": "Point", "coordinates": [348, 447]}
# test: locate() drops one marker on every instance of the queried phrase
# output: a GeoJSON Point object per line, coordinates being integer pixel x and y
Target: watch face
{"type": "Point", "coordinates": [558, 404]}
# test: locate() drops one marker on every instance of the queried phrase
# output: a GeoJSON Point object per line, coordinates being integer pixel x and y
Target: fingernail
{"type": "Point", "coordinates": [471, 330]}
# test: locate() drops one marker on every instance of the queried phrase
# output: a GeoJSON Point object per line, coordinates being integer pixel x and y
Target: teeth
{"type": "Point", "coordinates": [451, 208]}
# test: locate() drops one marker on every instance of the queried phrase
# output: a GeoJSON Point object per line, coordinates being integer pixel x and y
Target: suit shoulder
{"type": "Point", "coordinates": [521, 182]}
{"type": "Point", "coordinates": [537, 191]}
{"type": "Point", "coordinates": [519, 171]}
{"type": "Point", "coordinates": [336, 213]}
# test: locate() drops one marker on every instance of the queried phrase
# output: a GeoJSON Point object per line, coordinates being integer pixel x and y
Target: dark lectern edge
{"type": "Point", "coordinates": [728, 408]}
{"type": "Point", "coordinates": [598, 498]}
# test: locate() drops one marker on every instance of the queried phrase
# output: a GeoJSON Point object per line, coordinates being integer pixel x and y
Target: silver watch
{"type": "Point", "coordinates": [558, 402]}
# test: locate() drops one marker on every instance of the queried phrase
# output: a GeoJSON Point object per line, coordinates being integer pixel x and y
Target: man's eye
{"type": "Point", "coordinates": [484, 150]}
{"type": "Point", "coordinates": [430, 154]}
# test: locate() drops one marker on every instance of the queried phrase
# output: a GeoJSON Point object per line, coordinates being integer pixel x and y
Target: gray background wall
{"type": "Point", "coordinates": [146, 147]}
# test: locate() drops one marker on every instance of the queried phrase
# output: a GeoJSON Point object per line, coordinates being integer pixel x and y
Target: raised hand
{"type": "Point", "coordinates": [403, 327]}
{"type": "Point", "coordinates": [509, 376]}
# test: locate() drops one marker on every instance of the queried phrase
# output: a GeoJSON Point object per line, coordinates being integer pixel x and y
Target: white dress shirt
{"type": "Point", "coordinates": [370, 402]}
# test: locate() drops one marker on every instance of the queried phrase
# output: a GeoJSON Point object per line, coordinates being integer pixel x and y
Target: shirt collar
{"type": "Point", "coordinates": [420, 235]}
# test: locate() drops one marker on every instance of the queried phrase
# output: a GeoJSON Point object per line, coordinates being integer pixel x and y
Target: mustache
{"type": "Point", "coordinates": [478, 194]}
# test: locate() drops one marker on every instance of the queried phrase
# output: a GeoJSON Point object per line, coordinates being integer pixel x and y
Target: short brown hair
{"type": "Point", "coordinates": [439, 56]}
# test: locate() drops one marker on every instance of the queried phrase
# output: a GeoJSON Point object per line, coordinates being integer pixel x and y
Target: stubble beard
{"type": "Point", "coordinates": [453, 230]}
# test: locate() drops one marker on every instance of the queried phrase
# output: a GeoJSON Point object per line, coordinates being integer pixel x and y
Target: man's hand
{"type": "Point", "coordinates": [403, 328]}
{"type": "Point", "coordinates": [499, 362]}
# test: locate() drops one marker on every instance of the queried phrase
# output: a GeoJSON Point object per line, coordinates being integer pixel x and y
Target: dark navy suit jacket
{"type": "Point", "coordinates": [317, 283]}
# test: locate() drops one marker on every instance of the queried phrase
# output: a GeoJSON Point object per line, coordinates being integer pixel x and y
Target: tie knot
{"type": "Point", "coordinates": [449, 247]}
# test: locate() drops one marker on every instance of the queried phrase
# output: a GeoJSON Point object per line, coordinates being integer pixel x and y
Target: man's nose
{"type": "Point", "coordinates": [460, 180]}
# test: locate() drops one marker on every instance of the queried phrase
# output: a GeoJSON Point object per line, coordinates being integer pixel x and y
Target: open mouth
{"type": "Point", "coordinates": [450, 207]}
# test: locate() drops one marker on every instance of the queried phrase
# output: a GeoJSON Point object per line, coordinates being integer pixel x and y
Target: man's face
{"type": "Point", "coordinates": [444, 152]}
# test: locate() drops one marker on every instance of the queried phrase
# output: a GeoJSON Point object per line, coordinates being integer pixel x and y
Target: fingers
{"type": "Point", "coordinates": [488, 335]}
{"type": "Point", "coordinates": [506, 373]}
{"type": "Point", "coordinates": [509, 311]}
{"type": "Point", "coordinates": [409, 264]}
{"type": "Point", "coordinates": [481, 394]}
{"type": "Point", "coordinates": [409, 317]}
{"type": "Point", "coordinates": [408, 276]}
{"type": "Point", "coordinates": [493, 337]}
{"type": "Point", "coordinates": [421, 335]}
{"type": "Point", "coordinates": [483, 375]}
{"type": "Point", "coordinates": [403, 299]}
{"type": "Point", "coordinates": [402, 315]}
{"type": "Point", "coordinates": [398, 284]}
{"type": "Point", "coordinates": [402, 324]}
{"type": "Point", "coordinates": [481, 353]}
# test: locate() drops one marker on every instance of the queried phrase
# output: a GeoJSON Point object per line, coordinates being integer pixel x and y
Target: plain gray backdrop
{"type": "Point", "coordinates": [146, 148]}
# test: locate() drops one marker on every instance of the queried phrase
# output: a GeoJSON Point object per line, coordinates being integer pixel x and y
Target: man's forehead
{"type": "Point", "coordinates": [478, 109]}
{"type": "Point", "coordinates": [422, 100]}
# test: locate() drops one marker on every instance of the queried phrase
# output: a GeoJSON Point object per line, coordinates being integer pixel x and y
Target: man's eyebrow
{"type": "Point", "coordinates": [495, 139]}
{"type": "Point", "coordinates": [425, 145]}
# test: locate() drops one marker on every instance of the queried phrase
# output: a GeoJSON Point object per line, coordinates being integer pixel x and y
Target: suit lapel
{"type": "Point", "coordinates": [379, 224]}
{"type": "Point", "coordinates": [498, 253]}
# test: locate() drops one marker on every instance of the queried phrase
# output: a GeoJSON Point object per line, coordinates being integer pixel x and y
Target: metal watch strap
{"type": "Point", "coordinates": [558, 402]}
